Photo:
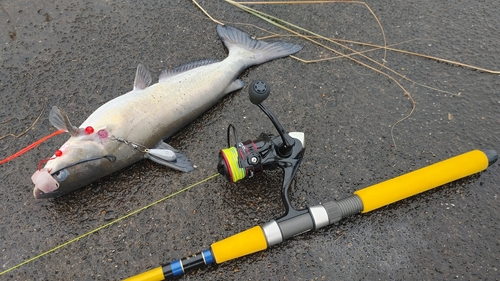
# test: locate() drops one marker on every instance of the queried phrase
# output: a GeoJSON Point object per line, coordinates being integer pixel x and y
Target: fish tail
{"type": "Point", "coordinates": [253, 51]}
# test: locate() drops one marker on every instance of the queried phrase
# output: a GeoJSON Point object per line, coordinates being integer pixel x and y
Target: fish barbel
{"type": "Point", "coordinates": [133, 126]}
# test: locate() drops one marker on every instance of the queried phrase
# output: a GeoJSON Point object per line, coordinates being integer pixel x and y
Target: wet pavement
{"type": "Point", "coordinates": [79, 54]}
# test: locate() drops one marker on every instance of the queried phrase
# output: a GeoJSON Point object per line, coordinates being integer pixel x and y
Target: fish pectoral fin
{"type": "Point", "coordinates": [166, 155]}
{"type": "Point", "coordinates": [142, 78]}
{"type": "Point", "coordinates": [236, 85]}
{"type": "Point", "coordinates": [60, 120]}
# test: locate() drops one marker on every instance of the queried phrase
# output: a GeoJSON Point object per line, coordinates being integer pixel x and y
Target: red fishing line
{"type": "Point", "coordinates": [57, 154]}
{"type": "Point", "coordinates": [31, 146]}
{"type": "Point", "coordinates": [43, 162]}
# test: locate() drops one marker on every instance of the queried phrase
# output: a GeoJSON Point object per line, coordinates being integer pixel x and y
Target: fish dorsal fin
{"type": "Point", "coordinates": [142, 78]}
{"type": "Point", "coordinates": [60, 120]}
{"type": "Point", "coordinates": [168, 73]}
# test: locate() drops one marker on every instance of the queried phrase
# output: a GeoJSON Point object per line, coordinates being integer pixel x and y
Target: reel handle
{"type": "Point", "coordinates": [258, 92]}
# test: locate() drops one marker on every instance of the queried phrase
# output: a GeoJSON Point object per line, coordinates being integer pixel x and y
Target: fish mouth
{"type": "Point", "coordinates": [47, 181]}
{"type": "Point", "coordinates": [39, 194]}
{"type": "Point", "coordinates": [45, 185]}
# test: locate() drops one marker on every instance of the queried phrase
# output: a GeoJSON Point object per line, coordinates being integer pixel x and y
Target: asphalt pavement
{"type": "Point", "coordinates": [79, 54]}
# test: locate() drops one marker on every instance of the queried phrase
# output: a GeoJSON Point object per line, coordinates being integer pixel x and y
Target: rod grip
{"type": "Point", "coordinates": [155, 274]}
{"type": "Point", "coordinates": [423, 179]}
{"type": "Point", "coordinates": [244, 243]}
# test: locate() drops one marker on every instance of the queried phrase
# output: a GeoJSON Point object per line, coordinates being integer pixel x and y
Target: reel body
{"type": "Point", "coordinates": [267, 152]}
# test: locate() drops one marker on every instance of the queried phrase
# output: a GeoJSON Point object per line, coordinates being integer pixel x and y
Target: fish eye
{"type": "Point", "coordinates": [61, 175]}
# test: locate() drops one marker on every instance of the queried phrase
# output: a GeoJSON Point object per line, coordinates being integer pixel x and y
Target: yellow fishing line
{"type": "Point", "coordinates": [231, 154]}
{"type": "Point", "coordinates": [106, 225]}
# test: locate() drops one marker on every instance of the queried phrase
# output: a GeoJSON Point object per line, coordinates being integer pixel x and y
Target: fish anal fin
{"type": "Point", "coordinates": [235, 85]}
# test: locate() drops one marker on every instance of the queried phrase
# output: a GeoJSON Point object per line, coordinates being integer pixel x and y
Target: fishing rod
{"type": "Point", "coordinates": [249, 158]}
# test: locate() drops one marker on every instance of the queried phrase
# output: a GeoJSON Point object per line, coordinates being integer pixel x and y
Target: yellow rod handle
{"type": "Point", "coordinates": [421, 180]}
{"type": "Point", "coordinates": [244, 243]}
{"type": "Point", "coordinates": [151, 275]}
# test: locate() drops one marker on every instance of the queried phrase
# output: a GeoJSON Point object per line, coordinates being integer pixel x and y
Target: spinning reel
{"type": "Point", "coordinates": [267, 152]}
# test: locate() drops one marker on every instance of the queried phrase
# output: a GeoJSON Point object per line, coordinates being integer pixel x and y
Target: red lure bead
{"type": "Point", "coordinates": [89, 130]}
{"type": "Point", "coordinates": [58, 153]}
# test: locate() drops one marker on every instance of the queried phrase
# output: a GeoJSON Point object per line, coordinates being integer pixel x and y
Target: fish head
{"type": "Point", "coordinates": [81, 160]}
{"type": "Point", "coordinates": [77, 163]}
